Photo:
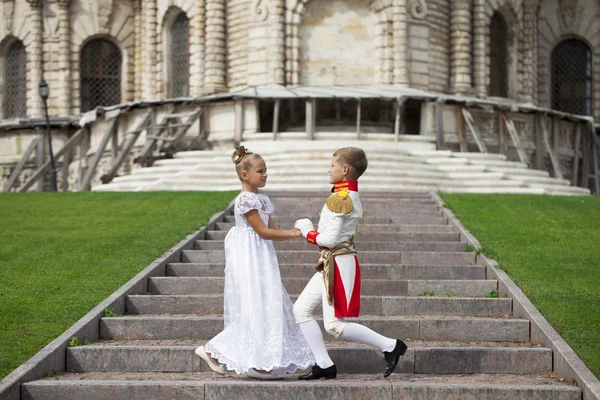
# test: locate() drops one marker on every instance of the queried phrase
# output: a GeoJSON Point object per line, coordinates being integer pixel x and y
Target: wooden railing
{"type": "Point", "coordinates": [546, 134]}
{"type": "Point", "coordinates": [170, 133]}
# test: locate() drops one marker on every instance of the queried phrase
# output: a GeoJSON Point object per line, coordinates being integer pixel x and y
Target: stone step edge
{"type": "Point", "coordinates": [220, 296]}
{"type": "Point", "coordinates": [162, 278]}
{"type": "Point", "coordinates": [432, 360]}
{"type": "Point", "coordinates": [309, 264]}
{"type": "Point", "coordinates": [181, 305]}
{"type": "Point", "coordinates": [319, 318]}
{"type": "Point", "coordinates": [371, 388]}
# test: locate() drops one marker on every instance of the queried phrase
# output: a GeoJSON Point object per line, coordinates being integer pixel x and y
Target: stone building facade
{"type": "Point", "coordinates": [474, 47]}
{"type": "Point", "coordinates": [105, 52]}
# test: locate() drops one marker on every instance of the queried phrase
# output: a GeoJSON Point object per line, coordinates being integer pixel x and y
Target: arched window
{"type": "Point", "coordinates": [100, 74]}
{"type": "Point", "coordinates": [15, 81]}
{"type": "Point", "coordinates": [499, 57]}
{"type": "Point", "coordinates": [179, 57]}
{"type": "Point", "coordinates": [572, 77]}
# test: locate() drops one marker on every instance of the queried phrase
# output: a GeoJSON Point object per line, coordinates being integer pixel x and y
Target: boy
{"type": "Point", "coordinates": [337, 284]}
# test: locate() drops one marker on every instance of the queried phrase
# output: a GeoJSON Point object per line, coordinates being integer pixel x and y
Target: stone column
{"type": "Point", "coordinates": [529, 7]}
{"type": "Point", "coordinates": [278, 45]}
{"type": "Point", "coordinates": [149, 50]}
{"type": "Point", "coordinates": [460, 39]}
{"type": "Point", "coordinates": [480, 31]}
{"type": "Point", "coordinates": [138, 69]}
{"type": "Point", "coordinates": [215, 65]}
{"type": "Point", "coordinates": [64, 57]}
{"type": "Point", "coordinates": [197, 38]}
{"type": "Point", "coordinates": [534, 64]}
{"type": "Point", "coordinates": [34, 58]}
{"type": "Point", "coordinates": [400, 17]}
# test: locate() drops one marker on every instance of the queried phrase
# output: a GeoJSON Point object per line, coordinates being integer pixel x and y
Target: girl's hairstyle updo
{"type": "Point", "coordinates": [243, 160]}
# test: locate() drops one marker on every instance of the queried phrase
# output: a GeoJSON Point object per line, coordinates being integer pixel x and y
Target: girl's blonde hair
{"type": "Point", "coordinates": [243, 160]}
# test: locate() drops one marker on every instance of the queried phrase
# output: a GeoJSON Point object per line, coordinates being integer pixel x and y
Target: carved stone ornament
{"type": "Point", "coordinates": [50, 19]}
{"type": "Point", "coordinates": [261, 9]}
{"type": "Point", "coordinates": [104, 10]}
{"type": "Point", "coordinates": [8, 8]}
{"type": "Point", "coordinates": [568, 11]}
{"type": "Point", "coordinates": [418, 9]}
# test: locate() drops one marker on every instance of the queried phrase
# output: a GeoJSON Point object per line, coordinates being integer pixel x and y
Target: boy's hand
{"type": "Point", "coordinates": [305, 226]}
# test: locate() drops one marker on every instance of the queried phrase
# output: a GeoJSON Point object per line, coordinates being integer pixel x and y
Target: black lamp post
{"type": "Point", "coordinates": [44, 93]}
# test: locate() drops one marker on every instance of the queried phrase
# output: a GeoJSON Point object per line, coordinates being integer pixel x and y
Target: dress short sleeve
{"type": "Point", "coordinates": [248, 201]}
{"type": "Point", "coordinates": [269, 207]}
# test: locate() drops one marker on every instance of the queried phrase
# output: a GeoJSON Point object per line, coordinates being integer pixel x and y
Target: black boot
{"type": "Point", "coordinates": [392, 357]}
{"type": "Point", "coordinates": [318, 373]}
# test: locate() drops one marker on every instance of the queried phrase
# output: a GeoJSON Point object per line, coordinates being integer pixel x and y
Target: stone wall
{"type": "Point", "coordinates": [559, 20]}
{"type": "Point", "coordinates": [428, 44]}
{"type": "Point", "coordinates": [438, 19]}
{"type": "Point", "coordinates": [337, 44]}
{"type": "Point", "coordinates": [238, 69]}
{"type": "Point", "coordinates": [258, 42]}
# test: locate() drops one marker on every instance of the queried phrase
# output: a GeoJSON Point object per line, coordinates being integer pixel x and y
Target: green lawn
{"type": "Point", "coordinates": [63, 253]}
{"type": "Point", "coordinates": [550, 247]}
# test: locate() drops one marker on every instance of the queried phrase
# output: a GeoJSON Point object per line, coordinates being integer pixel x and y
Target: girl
{"type": "Point", "coordinates": [261, 337]}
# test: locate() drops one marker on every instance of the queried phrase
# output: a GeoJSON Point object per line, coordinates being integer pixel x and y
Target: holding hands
{"type": "Point", "coordinates": [304, 225]}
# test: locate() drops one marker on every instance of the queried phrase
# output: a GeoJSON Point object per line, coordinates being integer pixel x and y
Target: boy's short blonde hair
{"type": "Point", "coordinates": [354, 158]}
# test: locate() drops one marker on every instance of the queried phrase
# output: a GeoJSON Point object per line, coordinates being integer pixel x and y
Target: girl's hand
{"type": "Point", "coordinates": [266, 232]}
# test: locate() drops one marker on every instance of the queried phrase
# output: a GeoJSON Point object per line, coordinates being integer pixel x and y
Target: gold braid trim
{"type": "Point", "coordinates": [340, 202]}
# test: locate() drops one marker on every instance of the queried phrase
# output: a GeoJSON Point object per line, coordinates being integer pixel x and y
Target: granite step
{"type": "Point", "coordinates": [432, 236]}
{"type": "Point", "coordinates": [378, 229]}
{"type": "Point", "coordinates": [373, 209]}
{"type": "Point", "coordinates": [408, 219]}
{"type": "Point", "coordinates": [361, 246]}
{"type": "Point", "coordinates": [315, 201]}
{"type": "Point", "coordinates": [206, 385]}
{"type": "Point", "coordinates": [369, 287]}
{"type": "Point", "coordinates": [294, 215]}
{"type": "Point", "coordinates": [139, 356]}
{"type": "Point", "coordinates": [461, 329]}
{"type": "Point", "coordinates": [369, 305]}
{"type": "Point", "coordinates": [398, 196]}
{"type": "Point", "coordinates": [368, 271]}
{"type": "Point", "coordinates": [367, 257]}
{"type": "Point", "coordinates": [377, 211]}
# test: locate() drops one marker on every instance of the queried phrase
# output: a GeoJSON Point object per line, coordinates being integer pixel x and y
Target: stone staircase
{"type": "Point", "coordinates": [407, 165]}
{"type": "Point", "coordinates": [462, 342]}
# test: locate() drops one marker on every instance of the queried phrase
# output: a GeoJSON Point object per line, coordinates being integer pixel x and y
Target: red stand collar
{"type": "Point", "coordinates": [345, 185]}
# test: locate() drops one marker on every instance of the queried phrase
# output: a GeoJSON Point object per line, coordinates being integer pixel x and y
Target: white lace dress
{"type": "Point", "coordinates": [260, 329]}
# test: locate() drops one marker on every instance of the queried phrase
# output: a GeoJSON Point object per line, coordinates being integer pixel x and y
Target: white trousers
{"type": "Point", "coordinates": [311, 297]}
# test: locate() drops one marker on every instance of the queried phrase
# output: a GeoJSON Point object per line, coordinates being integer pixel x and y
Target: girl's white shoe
{"type": "Point", "coordinates": [219, 369]}
{"type": "Point", "coordinates": [267, 376]}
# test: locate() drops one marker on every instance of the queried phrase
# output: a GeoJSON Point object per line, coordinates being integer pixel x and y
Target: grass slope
{"type": "Point", "coordinates": [550, 247]}
{"type": "Point", "coordinates": [63, 253]}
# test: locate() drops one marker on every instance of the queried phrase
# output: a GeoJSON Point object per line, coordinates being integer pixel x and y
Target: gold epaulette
{"type": "Point", "coordinates": [340, 202]}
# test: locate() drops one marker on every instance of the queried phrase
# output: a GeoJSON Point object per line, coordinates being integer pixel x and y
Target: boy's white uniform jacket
{"type": "Point", "coordinates": [335, 228]}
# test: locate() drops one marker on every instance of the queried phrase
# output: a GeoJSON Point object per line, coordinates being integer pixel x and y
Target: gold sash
{"type": "Point", "coordinates": [326, 264]}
